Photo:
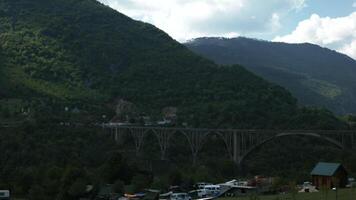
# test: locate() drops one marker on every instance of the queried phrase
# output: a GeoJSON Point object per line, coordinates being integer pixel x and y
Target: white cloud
{"type": "Point", "coordinates": [335, 33]}
{"type": "Point", "coordinates": [354, 4]}
{"type": "Point", "coordinates": [185, 19]}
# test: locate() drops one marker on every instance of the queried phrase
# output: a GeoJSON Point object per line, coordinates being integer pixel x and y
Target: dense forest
{"type": "Point", "coordinates": [60, 162]}
{"type": "Point", "coordinates": [65, 64]}
{"type": "Point", "coordinates": [316, 76]}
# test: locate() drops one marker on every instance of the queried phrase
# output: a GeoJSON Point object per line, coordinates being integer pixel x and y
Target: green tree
{"type": "Point", "coordinates": [6, 113]}
{"type": "Point", "coordinates": [119, 187]}
{"type": "Point", "coordinates": [77, 189]}
{"type": "Point", "coordinates": [175, 178]}
{"type": "Point", "coordinates": [53, 180]}
{"type": "Point", "coordinates": [140, 182]}
{"type": "Point", "coordinates": [115, 168]}
{"type": "Point", "coordinates": [293, 190]}
{"type": "Point", "coordinates": [36, 193]}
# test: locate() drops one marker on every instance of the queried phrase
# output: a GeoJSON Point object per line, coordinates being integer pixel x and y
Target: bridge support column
{"type": "Point", "coordinates": [163, 137]}
{"type": "Point", "coordinates": [110, 132]}
{"type": "Point", "coordinates": [238, 143]}
{"type": "Point", "coordinates": [119, 134]}
{"type": "Point", "coordinates": [138, 135]}
{"type": "Point", "coordinates": [196, 140]}
{"type": "Point", "coordinates": [228, 138]}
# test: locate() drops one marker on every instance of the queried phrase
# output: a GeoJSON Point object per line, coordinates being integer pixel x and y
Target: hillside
{"type": "Point", "coordinates": [82, 54]}
{"type": "Point", "coordinates": [316, 76]}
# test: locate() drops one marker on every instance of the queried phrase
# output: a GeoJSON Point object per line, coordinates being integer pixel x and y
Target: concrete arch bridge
{"type": "Point", "coordinates": [239, 143]}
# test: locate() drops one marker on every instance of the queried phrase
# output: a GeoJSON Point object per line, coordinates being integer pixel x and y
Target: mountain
{"type": "Point", "coordinates": [79, 54]}
{"type": "Point", "coordinates": [316, 76]}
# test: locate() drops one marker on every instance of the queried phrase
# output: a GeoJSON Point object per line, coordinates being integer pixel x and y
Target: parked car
{"type": "Point", "coordinates": [202, 193]}
{"type": "Point", "coordinates": [201, 185]}
{"type": "Point", "coordinates": [212, 190]}
{"type": "Point", "coordinates": [351, 183]}
{"type": "Point", "coordinates": [180, 196]}
{"type": "Point", "coordinates": [199, 193]}
{"type": "Point", "coordinates": [4, 194]}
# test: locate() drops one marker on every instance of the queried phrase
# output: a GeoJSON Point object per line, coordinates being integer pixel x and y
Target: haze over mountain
{"type": "Point", "coordinates": [316, 76]}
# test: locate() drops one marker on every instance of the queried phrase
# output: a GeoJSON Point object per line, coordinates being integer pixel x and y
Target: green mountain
{"type": "Point", "coordinates": [316, 76]}
{"type": "Point", "coordinates": [82, 54]}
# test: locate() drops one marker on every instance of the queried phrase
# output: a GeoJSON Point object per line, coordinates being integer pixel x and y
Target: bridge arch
{"type": "Point", "coordinates": [286, 134]}
{"type": "Point", "coordinates": [239, 143]}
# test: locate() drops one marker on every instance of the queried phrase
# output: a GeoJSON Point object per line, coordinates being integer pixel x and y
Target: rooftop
{"type": "Point", "coordinates": [325, 169]}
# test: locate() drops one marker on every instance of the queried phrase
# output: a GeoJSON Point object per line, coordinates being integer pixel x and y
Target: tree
{"type": "Point", "coordinates": [115, 168]}
{"type": "Point", "coordinates": [140, 182]}
{"type": "Point", "coordinates": [6, 112]}
{"type": "Point", "coordinates": [293, 190]}
{"type": "Point", "coordinates": [36, 193]}
{"type": "Point", "coordinates": [53, 180]}
{"type": "Point", "coordinates": [175, 178]}
{"type": "Point", "coordinates": [77, 189]}
{"type": "Point", "coordinates": [119, 187]}
{"type": "Point", "coordinates": [71, 175]}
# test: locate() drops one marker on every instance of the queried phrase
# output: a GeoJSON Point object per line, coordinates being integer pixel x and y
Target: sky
{"type": "Point", "coordinates": [328, 23]}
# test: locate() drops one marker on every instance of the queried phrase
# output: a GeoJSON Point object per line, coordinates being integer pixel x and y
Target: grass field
{"type": "Point", "coordinates": [344, 194]}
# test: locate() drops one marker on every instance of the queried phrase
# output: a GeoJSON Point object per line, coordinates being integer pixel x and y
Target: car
{"type": "Point", "coordinates": [201, 193]}
{"type": "Point", "coordinates": [212, 190]}
{"type": "Point", "coordinates": [4, 194]}
{"type": "Point", "coordinates": [180, 196]}
{"type": "Point", "coordinates": [201, 185]}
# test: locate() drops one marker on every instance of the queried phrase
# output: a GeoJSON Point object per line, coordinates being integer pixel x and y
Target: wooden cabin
{"type": "Point", "coordinates": [329, 175]}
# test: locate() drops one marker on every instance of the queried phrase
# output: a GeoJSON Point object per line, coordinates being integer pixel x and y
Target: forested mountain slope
{"type": "Point", "coordinates": [80, 53]}
{"type": "Point", "coordinates": [316, 76]}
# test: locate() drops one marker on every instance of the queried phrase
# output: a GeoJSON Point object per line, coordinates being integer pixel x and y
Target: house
{"type": "Point", "coordinates": [329, 175]}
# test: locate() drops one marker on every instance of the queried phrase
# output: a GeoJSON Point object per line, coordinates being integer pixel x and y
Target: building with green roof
{"type": "Point", "coordinates": [329, 175]}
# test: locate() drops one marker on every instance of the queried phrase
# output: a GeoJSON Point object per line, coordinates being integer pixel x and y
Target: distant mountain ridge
{"type": "Point", "coordinates": [316, 76]}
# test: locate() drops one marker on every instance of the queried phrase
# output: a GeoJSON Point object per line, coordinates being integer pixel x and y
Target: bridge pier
{"type": "Point", "coordinates": [163, 137]}
{"type": "Point", "coordinates": [245, 141]}
{"type": "Point", "coordinates": [353, 140]}
{"type": "Point", "coordinates": [138, 135]}
{"type": "Point", "coordinates": [227, 137]}
{"type": "Point", "coordinates": [237, 138]}
{"type": "Point", "coordinates": [119, 134]}
{"type": "Point", "coordinates": [196, 140]}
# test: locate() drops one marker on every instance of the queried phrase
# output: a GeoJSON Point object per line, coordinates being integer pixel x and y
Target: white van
{"type": "Point", "coordinates": [201, 185]}
{"type": "Point", "coordinates": [212, 190]}
{"type": "Point", "coordinates": [4, 194]}
{"type": "Point", "coordinates": [201, 193]}
{"type": "Point", "coordinates": [180, 196]}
